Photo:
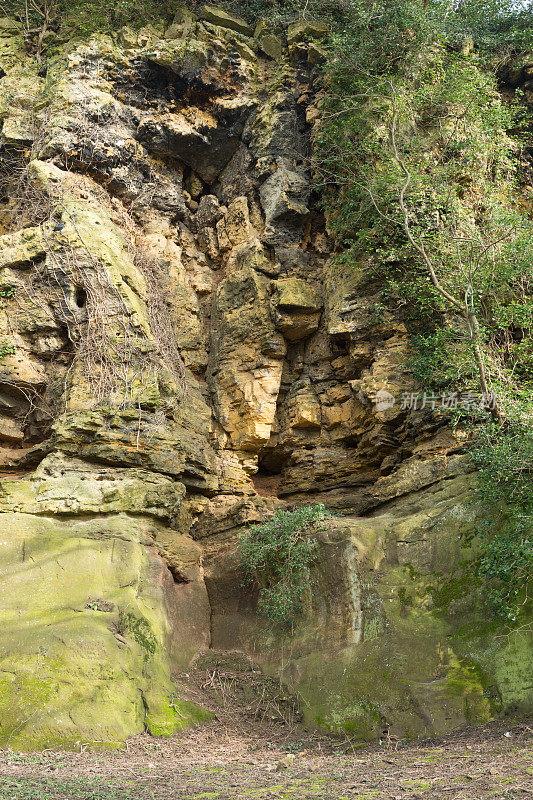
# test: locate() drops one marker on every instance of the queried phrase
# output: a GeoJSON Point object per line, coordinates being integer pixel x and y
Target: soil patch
{"type": "Point", "coordinates": [219, 762]}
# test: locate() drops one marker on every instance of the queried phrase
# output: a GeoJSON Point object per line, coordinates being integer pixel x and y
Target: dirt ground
{"type": "Point", "coordinates": [255, 748]}
{"type": "Point", "coordinates": [215, 761]}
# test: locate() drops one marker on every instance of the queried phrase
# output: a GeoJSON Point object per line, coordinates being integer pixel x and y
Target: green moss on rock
{"type": "Point", "coordinates": [407, 647]}
{"type": "Point", "coordinates": [71, 670]}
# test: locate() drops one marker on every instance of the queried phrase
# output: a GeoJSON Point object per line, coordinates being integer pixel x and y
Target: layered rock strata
{"type": "Point", "coordinates": [179, 357]}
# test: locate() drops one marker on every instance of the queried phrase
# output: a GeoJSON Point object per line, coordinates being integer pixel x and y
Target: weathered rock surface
{"type": "Point", "coordinates": [178, 358]}
{"type": "Point", "coordinates": [380, 648]}
{"type": "Point", "coordinates": [86, 609]}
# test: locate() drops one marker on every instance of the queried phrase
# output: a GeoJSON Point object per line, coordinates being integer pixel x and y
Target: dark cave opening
{"type": "Point", "coordinates": [80, 297]}
{"type": "Point", "coordinates": [269, 474]}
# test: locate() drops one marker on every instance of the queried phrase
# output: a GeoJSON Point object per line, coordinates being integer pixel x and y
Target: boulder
{"type": "Point", "coordinates": [209, 211]}
{"type": "Point", "coordinates": [271, 45]}
{"type": "Point", "coordinates": [296, 308]}
{"type": "Point", "coordinates": [304, 30]}
{"type": "Point", "coordinates": [303, 407]}
{"type": "Point", "coordinates": [237, 221]}
{"type": "Point", "coordinates": [285, 194]}
{"type": "Point", "coordinates": [224, 20]}
{"type": "Point", "coordinates": [316, 55]}
{"type": "Point", "coordinates": [207, 146]}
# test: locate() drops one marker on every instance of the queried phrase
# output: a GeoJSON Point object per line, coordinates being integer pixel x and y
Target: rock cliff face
{"type": "Point", "coordinates": [178, 359]}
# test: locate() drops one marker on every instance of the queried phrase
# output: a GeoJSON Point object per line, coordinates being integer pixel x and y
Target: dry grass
{"type": "Point", "coordinates": [488, 763]}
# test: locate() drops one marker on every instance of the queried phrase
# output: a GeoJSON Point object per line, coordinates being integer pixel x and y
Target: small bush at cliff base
{"type": "Point", "coordinates": [276, 556]}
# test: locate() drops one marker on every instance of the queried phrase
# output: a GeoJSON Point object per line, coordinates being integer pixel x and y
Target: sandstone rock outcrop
{"type": "Point", "coordinates": [178, 360]}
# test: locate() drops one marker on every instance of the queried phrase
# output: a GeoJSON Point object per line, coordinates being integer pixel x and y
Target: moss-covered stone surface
{"type": "Point", "coordinates": [396, 636]}
{"type": "Point", "coordinates": [85, 653]}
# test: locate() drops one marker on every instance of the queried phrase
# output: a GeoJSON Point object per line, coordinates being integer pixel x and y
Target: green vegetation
{"type": "Point", "coordinates": [32, 12]}
{"type": "Point", "coordinates": [505, 462]}
{"type": "Point", "coordinates": [45, 789]}
{"type": "Point", "coordinates": [276, 556]}
{"type": "Point", "coordinates": [139, 629]}
{"type": "Point", "coordinates": [7, 349]}
{"type": "Point", "coordinates": [419, 168]}
{"type": "Point", "coordinates": [98, 15]}
{"type": "Point", "coordinates": [495, 25]}
{"type": "Point", "coordinates": [40, 19]}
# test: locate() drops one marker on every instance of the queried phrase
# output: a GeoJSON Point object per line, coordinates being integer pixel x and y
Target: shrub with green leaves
{"type": "Point", "coordinates": [86, 16]}
{"type": "Point", "coordinates": [276, 556]}
{"type": "Point", "coordinates": [495, 25]}
{"type": "Point", "coordinates": [504, 458]}
{"type": "Point", "coordinates": [98, 15]}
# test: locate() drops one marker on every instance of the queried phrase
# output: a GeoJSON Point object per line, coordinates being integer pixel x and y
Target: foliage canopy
{"type": "Point", "coordinates": [419, 169]}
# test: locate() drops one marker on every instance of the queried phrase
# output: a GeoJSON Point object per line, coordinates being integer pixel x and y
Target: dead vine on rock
{"type": "Point", "coordinates": [112, 358]}
{"type": "Point", "coordinates": [25, 202]}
